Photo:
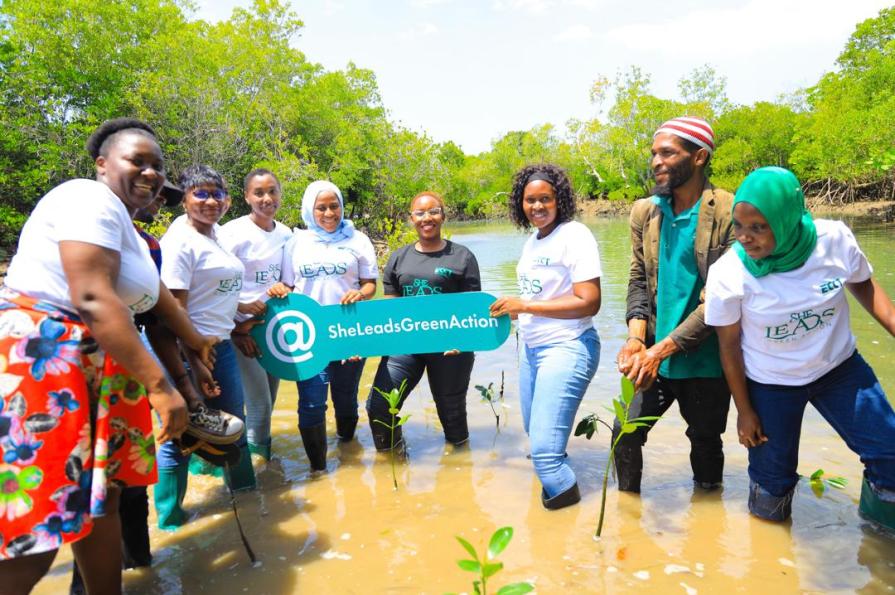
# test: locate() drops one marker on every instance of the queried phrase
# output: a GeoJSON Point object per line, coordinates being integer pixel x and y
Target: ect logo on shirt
{"type": "Point", "coordinates": [299, 337]}
{"type": "Point", "coordinates": [290, 336]}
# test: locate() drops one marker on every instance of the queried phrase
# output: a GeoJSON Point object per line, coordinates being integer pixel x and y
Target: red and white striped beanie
{"type": "Point", "coordinates": [695, 130]}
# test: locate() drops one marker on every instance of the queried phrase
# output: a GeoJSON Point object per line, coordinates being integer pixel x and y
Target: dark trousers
{"type": "Point", "coordinates": [703, 403]}
{"type": "Point", "coordinates": [448, 381]}
{"type": "Point", "coordinates": [133, 508]}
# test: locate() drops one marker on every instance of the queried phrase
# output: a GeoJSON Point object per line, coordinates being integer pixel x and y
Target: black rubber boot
{"type": "Point", "coordinates": [382, 437]}
{"type": "Point", "coordinates": [567, 498]}
{"type": "Point", "coordinates": [345, 427]}
{"type": "Point", "coordinates": [628, 461]}
{"type": "Point", "coordinates": [314, 439]}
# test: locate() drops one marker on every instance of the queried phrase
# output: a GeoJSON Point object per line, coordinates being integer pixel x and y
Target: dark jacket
{"type": "Point", "coordinates": [714, 235]}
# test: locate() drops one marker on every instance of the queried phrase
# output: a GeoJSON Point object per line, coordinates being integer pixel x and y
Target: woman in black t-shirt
{"type": "Point", "coordinates": [429, 266]}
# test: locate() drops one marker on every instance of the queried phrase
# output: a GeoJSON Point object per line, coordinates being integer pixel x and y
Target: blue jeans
{"type": "Point", "coordinates": [850, 398]}
{"type": "Point", "coordinates": [260, 389]}
{"type": "Point", "coordinates": [552, 381]}
{"type": "Point", "coordinates": [231, 400]}
{"type": "Point", "coordinates": [342, 380]}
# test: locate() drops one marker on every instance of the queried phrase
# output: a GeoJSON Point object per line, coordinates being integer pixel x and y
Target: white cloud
{"type": "Point", "coordinates": [530, 6]}
{"type": "Point", "coordinates": [574, 33]}
{"type": "Point", "coordinates": [755, 26]}
{"type": "Point", "coordinates": [419, 30]}
{"type": "Point", "coordinates": [427, 3]}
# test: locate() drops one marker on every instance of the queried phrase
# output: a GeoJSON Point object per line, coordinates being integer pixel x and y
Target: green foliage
{"type": "Point", "coordinates": [237, 95]}
{"type": "Point", "coordinates": [486, 566]}
{"type": "Point", "coordinates": [621, 407]}
{"type": "Point", "coordinates": [393, 398]}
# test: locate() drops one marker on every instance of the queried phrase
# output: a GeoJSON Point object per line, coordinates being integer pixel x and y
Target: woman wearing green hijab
{"type": "Point", "coordinates": [779, 305]}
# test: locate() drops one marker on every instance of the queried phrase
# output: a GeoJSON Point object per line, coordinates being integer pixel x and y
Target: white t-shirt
{"type": "Point", "coordinates": [795, 325]}
{"type": "Point", "coordinates": [326, 271]}
{"type": "Point", "coordinates": [84, 211]}
{"type": "Point", "coordinates": [260, 251]}
{"type": "Point", "coordinates": [211, 275]}
{"type": "Point", "coordinates": [547, 269]}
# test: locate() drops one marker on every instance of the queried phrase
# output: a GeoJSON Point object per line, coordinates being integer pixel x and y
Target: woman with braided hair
{"type": "Point", "coordinates": [559, 286]}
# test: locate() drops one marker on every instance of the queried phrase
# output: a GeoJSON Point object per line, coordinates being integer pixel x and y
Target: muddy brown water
{"type": "Point", "coordinates": [349, 531]}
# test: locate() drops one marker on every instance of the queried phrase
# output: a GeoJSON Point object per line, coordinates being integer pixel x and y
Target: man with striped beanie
{"type": "Point", "coordinates": [670, 354]}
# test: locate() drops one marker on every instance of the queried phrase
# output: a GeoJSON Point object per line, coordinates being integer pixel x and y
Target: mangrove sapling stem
{"type": "Point", "coordinates": [393, 398]}
{"type": "Point", "coordinates": [621, 406]}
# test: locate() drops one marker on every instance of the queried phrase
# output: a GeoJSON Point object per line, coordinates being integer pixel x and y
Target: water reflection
{"type": "Point", "coordinates": [348, 531]}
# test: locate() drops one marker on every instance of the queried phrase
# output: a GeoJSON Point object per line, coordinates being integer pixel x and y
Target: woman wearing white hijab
{"type": "Point", "coordinates": [333, 263]}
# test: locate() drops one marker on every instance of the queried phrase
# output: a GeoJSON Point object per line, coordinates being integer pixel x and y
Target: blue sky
{"type": "Point", "coordinates": [470, 71]}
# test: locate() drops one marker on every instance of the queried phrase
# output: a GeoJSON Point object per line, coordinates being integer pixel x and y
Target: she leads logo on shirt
{"type": "Point", "coordinates": [420, 287]}
{"type": "Point", "coordinates": [799, 324]}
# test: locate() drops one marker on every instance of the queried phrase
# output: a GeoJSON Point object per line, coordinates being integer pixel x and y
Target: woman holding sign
{"type": "Point", "coordinates": [431, 265]}
{"type": "Point", "coordinates": [257, 240]}
{"type": "Point", "coordinates": [559, 282]}
{"type": "Point", "coordinates": [333, 263]}
{"type": "Point", "coordinates": [778, 301]}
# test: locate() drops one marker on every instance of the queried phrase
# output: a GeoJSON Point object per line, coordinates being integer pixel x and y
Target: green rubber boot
{"type": "Point", "coordinates": [168, 494]}
{"type": "Point", "coordinates": [261, 449]}
{"type": "Point", "coordinates": [199, 466]}
{"type": "Point", "coordinates": [241, 476]}
{"type": "Point", "coordinates": [873, 508]}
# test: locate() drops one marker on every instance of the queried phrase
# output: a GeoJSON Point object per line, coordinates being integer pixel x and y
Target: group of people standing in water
{"type": "Point", "coordinates": [739, 295]}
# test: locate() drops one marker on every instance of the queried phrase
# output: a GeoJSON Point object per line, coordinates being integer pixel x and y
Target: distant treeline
{"type": "Point", "coordinates": [236, 95]}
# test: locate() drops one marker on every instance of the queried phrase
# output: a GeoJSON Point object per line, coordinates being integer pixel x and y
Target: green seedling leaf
{"type": "Point", "coordinates": [379, 421]}
{"type": "Point", "coordinates": [817, 475]}
{"type": "Point", "coordinates": [587, 426]}
{"type": "Point", "coordinates": [646, 418]}
{"type": "Point", "coordinates": [619, 408]}
{"type": "Point", "coordinates": [516, 589]}
{"type": "Point", "coordinates": [837, 482]}
{"type": "Point", "coordinates": [393, 410]}
{"type": "Point", "coordinates": [403, 420]}
{"type": "Point", "coordinates": [467, 546]}
{"type": "Point", "coordinates": [627, 390]}
{"type": "Point", "coordinates": [477, 585]}
{"type": "Point", "coordinates": [817, 487]}
{"type": "Point", "coordinates": [629, 428]}
{"type": "Point", "coordinates": [469, 566]}
{"type": "Point", "coordinates": [499, 541]}
{"type": "Point", "coordinates": [489, 570]}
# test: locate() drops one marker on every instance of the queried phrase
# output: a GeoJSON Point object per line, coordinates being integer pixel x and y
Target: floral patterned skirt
{"type": "Point", "coordinates": [72, 422]}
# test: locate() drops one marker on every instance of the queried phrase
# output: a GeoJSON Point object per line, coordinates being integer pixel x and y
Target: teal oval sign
{"type": "Point", "coordinates": [299, 337]}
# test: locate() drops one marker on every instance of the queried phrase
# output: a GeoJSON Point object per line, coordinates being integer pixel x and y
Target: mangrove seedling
{"type": "Point", "coordinates": [819, 482]}
{"type": "Point", "coordinates": [621, 406]}
{"type": "Point", "coordinates": [485, 566]}
{"type": "Point", "coordinates": [393, 398]}
{"type": "Point", "coordinates": [489, 397]}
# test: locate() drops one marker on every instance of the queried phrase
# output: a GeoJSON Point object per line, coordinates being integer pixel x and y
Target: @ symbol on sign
{"type": "Point", "coordinates": [298, 349]}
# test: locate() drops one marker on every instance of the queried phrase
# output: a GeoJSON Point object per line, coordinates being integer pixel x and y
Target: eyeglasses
{"type": "Point", "coordinates": [434, 212]}
{"type": "Point", "coordinates": [205, 194]}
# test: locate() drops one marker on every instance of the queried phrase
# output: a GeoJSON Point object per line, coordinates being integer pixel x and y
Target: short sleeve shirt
{"type": "Point", "coordinates": [547, 269]}
{"type": "Point", "coordinates": [409, 272]}
{"type": "Point", "coordinates": [196, 263]}
{"type": "Point", "coordinates": [260, 251]}
{"type": "Point", "coordinates": [795, 325]}
{"type": "Point", "coordinates": [325, 271]}
{"type": "Point", "coordinates": [83, 211]}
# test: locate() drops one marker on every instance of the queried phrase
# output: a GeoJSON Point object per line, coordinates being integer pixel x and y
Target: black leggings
{"type": "Point", "coordinates": [448, 380]}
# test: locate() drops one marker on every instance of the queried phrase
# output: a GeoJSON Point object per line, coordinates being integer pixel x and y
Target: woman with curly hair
{"type": "Point", "coordinates": [559, 285]}
{"type": "Point", "coordinates": [431, 265]}
{"type": "Point", "coordinates": [77, 382]}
